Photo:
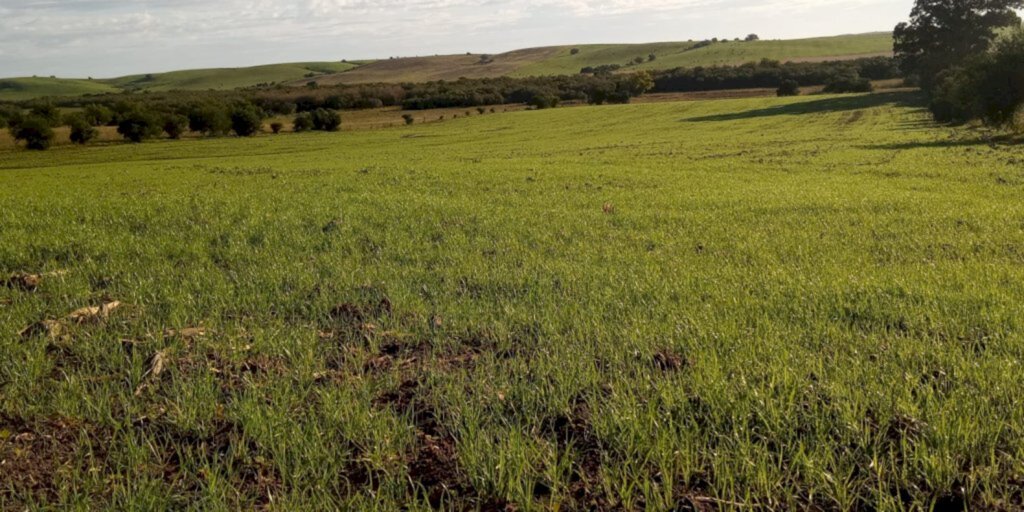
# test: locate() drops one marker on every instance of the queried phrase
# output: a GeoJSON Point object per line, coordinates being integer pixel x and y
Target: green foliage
{"type": "Point", "coordinates": [789, 88]}
{"type": "Point", "coordinates": [989, 87]}
{"type": "Point", "coordinates": [943, 34]}
{"type": "Point", "coordinates": [139, 125]}
{"type": "Point", "coordinates": [175, 125]}
{"type": "Point", "coordinates": [36, 132]}
{"type": "Point", "coordinates": [303, 122]}
{"type": "Point", "coordinates": [276, 127]}
{"type": "Point", "coordinates": [98, 115]}
{"type": "Point", "coordinates": [409, 119]}
{"type": "Point", "coordinates": [48, 112]}
{"type": "Point", "coordinates": [848, 83]}
{"type": "Point", "coordinates": [82, 131]}
{"type": "Point", "coordinates": [326, 120]}
{"type": "Point", "coordinates": [246, 120]}
{"type": "Point", "coordinates": [209, 119]}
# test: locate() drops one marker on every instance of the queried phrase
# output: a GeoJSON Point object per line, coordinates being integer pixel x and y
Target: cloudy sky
{"type": "Point", "coordinates": [106, 38]}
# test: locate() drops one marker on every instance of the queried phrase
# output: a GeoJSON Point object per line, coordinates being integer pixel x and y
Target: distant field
{"type": "Point", "coordinates": [17, 89]}
{"type": "Point", "coordinates": [228, 78]}
{"type": "Point", "coordinates": [813, 303]}
{"type": "Point", "coordinates": [555, 60]}
{"type": "Point", "coordinates": [561, 61]}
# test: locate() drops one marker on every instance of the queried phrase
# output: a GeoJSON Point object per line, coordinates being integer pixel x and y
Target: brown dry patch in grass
{"type": "Point", "coordinates": [37, 456]}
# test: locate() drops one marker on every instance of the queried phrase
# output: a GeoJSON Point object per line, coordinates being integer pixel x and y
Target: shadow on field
{"type": "Point", "coordinates": [983, 140]}
{"type": "Point", "coordinates": [840, 104]}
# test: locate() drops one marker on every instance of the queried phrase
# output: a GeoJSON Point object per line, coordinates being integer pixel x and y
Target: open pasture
{"type": "Point", "coordinates": [752, 304]}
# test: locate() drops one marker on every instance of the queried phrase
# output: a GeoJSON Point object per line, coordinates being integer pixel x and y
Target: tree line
{"type": "Point", "coordinates": [141, 116]}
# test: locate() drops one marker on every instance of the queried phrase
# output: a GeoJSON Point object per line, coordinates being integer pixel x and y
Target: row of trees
{"type": "Point", "coordinates": [136, 121]}
{"type": "Point", "coordinates": [968, 57]}
{"type": "Point", "coordinates": [839, 76]}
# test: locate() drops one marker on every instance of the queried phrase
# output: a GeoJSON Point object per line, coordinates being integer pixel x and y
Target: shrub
{"type": "Point", "coordinates": [35, 132]}
{"type": "Point", "coordinates": [542, 101]}
{"type": "Point", "coordinates": [209, 120]}
{"type": "Point", "coordinates": [303, 122]}
{"type": "Point", "coordinates": [138, 125]}
{"type": "Point", "coordinates": [409, 119]}
{"type": "Point", "coordinates": [789, 88]}
{"type": "Point", "coordinates": [47, 112]}
{"type": "Point", "coordinates": [10, 116]}
{"type": "Point", "coordinates": [574, 51]}
{"type": "Point", "coordinates": [81, 130]}
{"type": "Point", "coordinates": [848, 83]}
{"type": "Point", "coordinates": [276, 127]}
{"type": "Point", "coordinates": [481, 110]}
{"type": "Point", "coordinates": [175, 125]}
{"type": "Point", "coordinates": [98, 115]}
{"type": "Point", "coordinates": [652, 57]}
{"type": "Point", "coordinates": [326, 120]}
{"type": "Point", "coordinates": [246, 121]}
{"type": "Point", "coordinates": [752, 37]}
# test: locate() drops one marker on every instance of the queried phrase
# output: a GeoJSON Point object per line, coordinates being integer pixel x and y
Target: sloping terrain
{"type": "Point", "coordinates": [17, 89]}
{"type": "Point", "coordinates": [567, 60]}
{"type": "Point", "coordinates": [551, 60]}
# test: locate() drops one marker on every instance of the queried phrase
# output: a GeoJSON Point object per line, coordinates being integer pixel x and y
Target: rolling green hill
{"type": "Point", "coordinates": [551, 60]}
{"type": "Point", "coordinates": [17, 89]}
{"type": "Point", "coordinates": [228, 78]}
{"type": "Point", "coordinates": [561, 60]}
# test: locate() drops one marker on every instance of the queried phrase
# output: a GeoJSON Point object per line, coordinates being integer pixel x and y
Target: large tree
{"type": "Point", "coordinates": [945, 33]}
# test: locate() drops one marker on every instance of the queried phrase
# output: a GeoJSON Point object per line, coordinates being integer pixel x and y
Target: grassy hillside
{"type": "Point", "coordinates": [762, 304]}
{"type": "Point", "coordinates": [17, 89]}
{"type": "Point", "coordinates": [228, 78]}
{"type": "Point", "coordinates": [560, 60]}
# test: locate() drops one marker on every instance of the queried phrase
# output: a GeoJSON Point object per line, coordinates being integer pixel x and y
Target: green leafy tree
{"type": "Point", "coordinates": [174, 125]}
{"type": "Point", "coordinates": [98, 115]}
{"type": "Point", "coordinates": [35, 132]}
{"type": "Point", "coordinates": [326, 120]}
{"type": "Point", "coordinates": [947, 33]}
{"type": "Point", "coordinates": [246, 120]}
{"type": "Point", "coordinates": [209, 120]}
{"type": "Point", "coordinates": [47, 112]}
{"type": "Point", "coordinates": [139, 125]}
{"type": "Point", "coordinates": [788, 88]}
{"type": "Point", "coordinates": [303, 122]}
{"type": "Point", "coordinates": [82, 131]}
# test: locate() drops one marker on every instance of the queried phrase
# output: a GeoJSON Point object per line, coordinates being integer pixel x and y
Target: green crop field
{"type": "Point", "coordinates": [18, 89]}
{"type": "Point", "coordinates": [813, 303]}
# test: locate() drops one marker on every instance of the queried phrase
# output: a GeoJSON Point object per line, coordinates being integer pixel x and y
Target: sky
{"type": "Point", "coordinates": [108, 38]}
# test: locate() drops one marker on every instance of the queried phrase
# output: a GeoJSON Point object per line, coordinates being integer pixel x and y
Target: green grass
{"type": "Point", "coordinates": [228, 78]}
{"type": "Point", "coordinates": [674, 55]}
{"type": "Point", "coordinates": [18, 89]}
{"type": "Point", "coordinates": [766, 303]}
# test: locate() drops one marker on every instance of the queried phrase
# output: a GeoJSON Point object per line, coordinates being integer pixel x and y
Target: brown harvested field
{"type": "Point", "coordinates": [441, 67]}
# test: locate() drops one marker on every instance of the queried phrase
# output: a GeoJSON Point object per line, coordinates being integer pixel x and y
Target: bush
{"type": "Point", "coordinates": [409, 119]}
{"type": "Point", "coordinates": [303, 122]}
{"type": "Point", "coordinates": [35, 132]}
{"type": "Point", "coordinates": [139, 125]}
{"type": "Point", "coordinates": [326, 120]}
{"type": "Point", "coordinates": [752, 37]}
{"type": "Point", "coordinates": [10, 116]}
{"type": "Point", "coordinates": [789, 88]}
{"type": "Point", "coordinates": [81, 130]}
{"type": "Point", "coordinates": [246, 121]}
{"type": "Point", "coordinates": [848, 83]}
{"type": "Point", "coordinates": [574, 51]}
{"type": "Point", "coordinates": [276, 127]}
{"type": "Point", "coordinates": [47, 112]}
{"type": "Point", "coordinates": [542, 101]}
{"type": "Point", "coordinates": [175, 125]}
{"type": "Point", "coordinates": [98, 115]}
{"type": "Point", "coordinates": [1000, 82]}
{"type": "Point", "coordinates": [209, 120]}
